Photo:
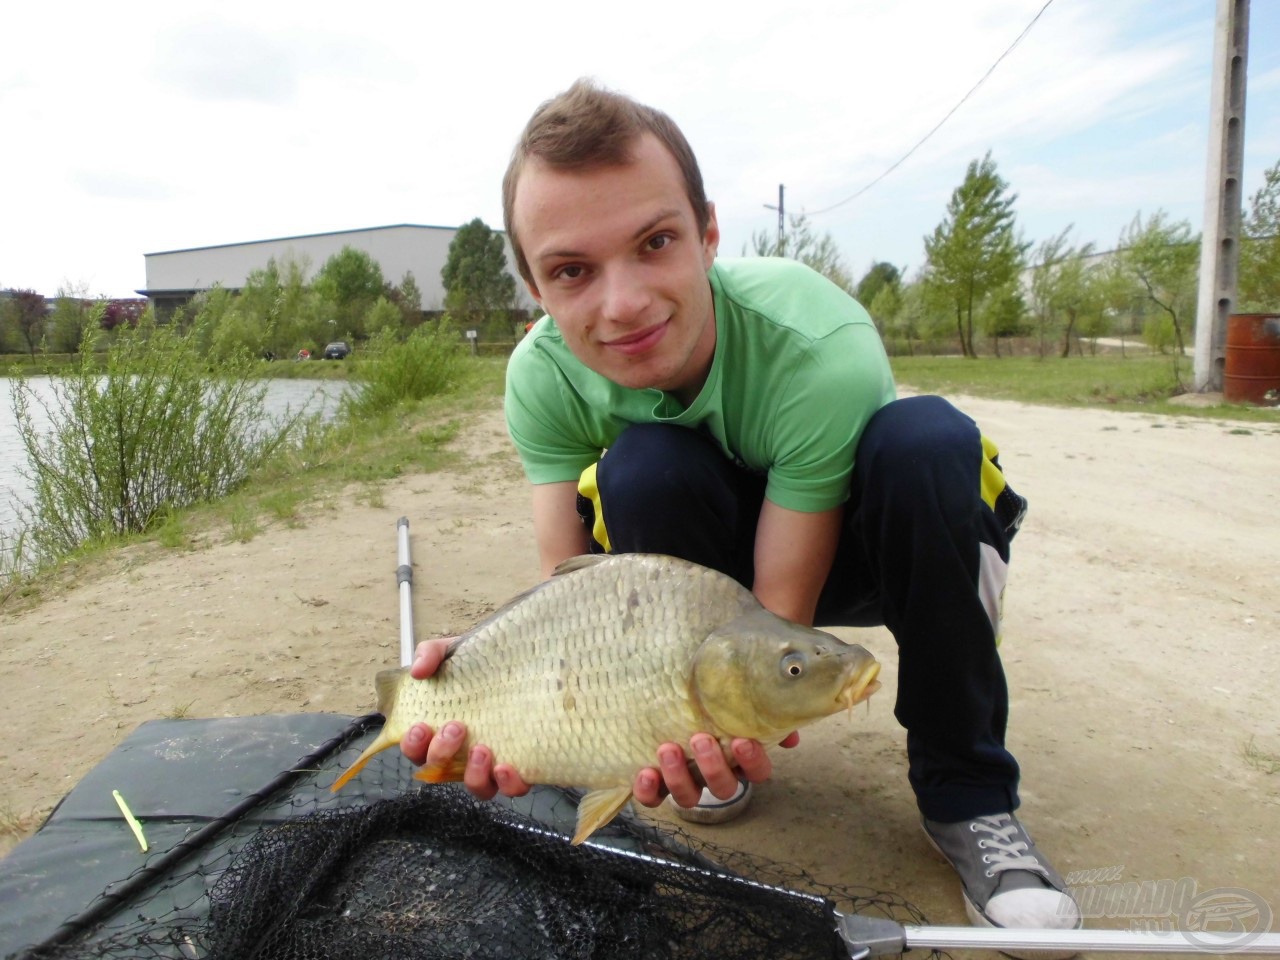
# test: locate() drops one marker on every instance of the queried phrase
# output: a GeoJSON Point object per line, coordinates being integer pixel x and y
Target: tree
{"type": "Point", "coordinates": [818, 253]}
{"type": "Point", "coordinates": [408, 297]}
{"type": "Point", "coordinates": [384, 318]}
{"type": "Point", "coordinates": [1003, 312]}
{"type": "Point", "coordinates": [880, 276]}
{"type": "Point", "coordinates": [973, 251]}
{"type": "Point", "coordinates": [1164, 257]}
{"type": "Point", "coordinates": [119, 313]}
{"type": "Point", "coordinates": [348, 284]}
{"type": "Point", "coordinates": [1259, 281]}
{"type": "Point", "coordinates": [885, 306]}
{"type": "Point", "coordinates": [476, 280]}
{"type": "Point", "coordinates": [1066, 291]}
{"type": "Point", "coordinates": [25, 313]}
{"type": "Point", "coordinates": [72, 316]}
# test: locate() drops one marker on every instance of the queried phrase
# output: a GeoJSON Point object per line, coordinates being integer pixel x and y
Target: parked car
{"type": "Point", "coordinates": [337, 350]}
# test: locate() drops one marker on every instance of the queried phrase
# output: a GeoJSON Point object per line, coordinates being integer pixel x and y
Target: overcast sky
{"type": "Point", "coordinates": [133, 128]}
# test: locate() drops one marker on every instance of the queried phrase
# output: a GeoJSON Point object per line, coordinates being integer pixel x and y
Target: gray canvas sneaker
{"type": "Point", "coordinates": [1007, 881]}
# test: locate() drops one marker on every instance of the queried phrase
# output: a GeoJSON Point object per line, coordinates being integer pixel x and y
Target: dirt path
{"type": "Point", "coordinates": [1142, 644]}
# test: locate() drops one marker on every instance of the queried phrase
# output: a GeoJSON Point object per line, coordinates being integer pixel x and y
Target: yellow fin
{"type": "Point", "coordinates": [450, 772]}
{"type": "Point", "coordinates": [380, 743]}
{"type": "Point", "coordinates": [597, 808]}
{"type": "Point", "coordinates": [387, 683]}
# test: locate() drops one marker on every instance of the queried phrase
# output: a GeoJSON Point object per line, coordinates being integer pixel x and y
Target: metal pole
{"type": "Point", "coordinates": [781, 249]}
{"type": "Point", "coordinates": [404, 578]}
{"type": "Point", "coordinates": [782, 222]}
{"type": "Point", "coordinates": [1220, 241]}
{"type": "Point", "coordinates": [1106, 941]}
{"type": "Point", "coordinates": [868, 936]}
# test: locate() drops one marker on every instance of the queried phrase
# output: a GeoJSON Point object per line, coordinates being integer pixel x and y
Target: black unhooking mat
{"type": "Point", "coordinates": [252, 856]}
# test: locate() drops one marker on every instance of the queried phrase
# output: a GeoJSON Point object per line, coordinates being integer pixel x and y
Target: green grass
{"type": "Point", "coordinates": [1261, 760]}
{"type": "Point", "coordinates": [1134, 383]}
{"type": "Point", "coordinates": [349, 460]}
{"type": "Point", "coordinates": [15, 823]}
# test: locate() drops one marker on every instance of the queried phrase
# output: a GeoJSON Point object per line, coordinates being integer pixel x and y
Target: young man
{"type": "Point", "coordinates": [741, 414]}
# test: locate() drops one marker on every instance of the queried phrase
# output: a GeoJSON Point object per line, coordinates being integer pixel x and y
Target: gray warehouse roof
{"type": "Point", "coordinates": [398, 249]}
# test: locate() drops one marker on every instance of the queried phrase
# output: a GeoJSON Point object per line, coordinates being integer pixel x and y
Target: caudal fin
{"type": "Point", "coordinates": [387, 683]}
{"type": "Point", "coordinates": [380, 743]}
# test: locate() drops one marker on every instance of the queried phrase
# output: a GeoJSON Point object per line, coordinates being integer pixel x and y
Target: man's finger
{"type": "Point", "coordinates": [716, 772]}
{"type": "Point", "coordinates": [509, 782]}
{"type": "Point", "coordinates": [648, 788]}
{"type": "Point", "coordinates": [752, 759]}
{"type": "Point", "coordinates": [414, 743]}
{"type": "Point", "coordinates": [478, 776]}
{"type": "Point", "coordinates": [675, 774]}
{"type": "Point", "coordinates": [444, 746]}
{"type": "Point", "coordinates": [428, 657]}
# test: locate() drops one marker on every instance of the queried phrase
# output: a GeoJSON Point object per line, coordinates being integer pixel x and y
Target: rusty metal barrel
{"type": "Point", "coordinates": [1252, 370]}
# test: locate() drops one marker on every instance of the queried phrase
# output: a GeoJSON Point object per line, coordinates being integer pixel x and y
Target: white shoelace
{"type": "Point", "coordinates": [1007, 853]}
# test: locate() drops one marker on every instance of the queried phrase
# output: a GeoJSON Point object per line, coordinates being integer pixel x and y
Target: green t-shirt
{"type": "Point", "coordinates": [798, 371]}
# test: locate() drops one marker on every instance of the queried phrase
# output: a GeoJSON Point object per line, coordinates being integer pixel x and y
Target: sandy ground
{"type": "Point", "coordinates": [1142, 645]}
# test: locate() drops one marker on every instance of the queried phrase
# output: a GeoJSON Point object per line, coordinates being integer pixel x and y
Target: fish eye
{"type": "Point", "coordinates": [793, 664]}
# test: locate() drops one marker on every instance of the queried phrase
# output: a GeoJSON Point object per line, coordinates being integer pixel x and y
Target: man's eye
{"type": "Point", "coordinates": [570, 272]}
{"type": "Point", "coordinates": [658, 242]}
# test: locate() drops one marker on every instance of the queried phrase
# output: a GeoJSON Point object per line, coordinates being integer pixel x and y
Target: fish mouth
{"type": "Point", "coordinates": [860, 686]}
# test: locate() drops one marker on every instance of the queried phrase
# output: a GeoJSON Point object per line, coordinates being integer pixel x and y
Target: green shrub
{"type": "Point", "coordinates": [389, 372]}
{"type": "Point", "coordinates": [146, 428]}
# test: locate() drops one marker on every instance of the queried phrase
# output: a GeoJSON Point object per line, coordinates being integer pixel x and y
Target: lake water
{"type": "Point", "coordinates": [320, 396]}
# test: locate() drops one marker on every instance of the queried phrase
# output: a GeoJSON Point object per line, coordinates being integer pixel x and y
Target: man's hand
{"type": "Point", "coordinates": [673, 774]}
{"type": "Point", "coordinates": [421, 745]}
{"type": "Point", "coordinates": [484, 779]}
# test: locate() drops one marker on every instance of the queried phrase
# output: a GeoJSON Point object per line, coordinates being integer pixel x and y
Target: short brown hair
{"type": "Point", "coordinates": [588, 126]}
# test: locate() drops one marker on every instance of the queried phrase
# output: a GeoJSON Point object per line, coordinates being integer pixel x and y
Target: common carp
{"type": "Point", "coordinates": [577, 681]}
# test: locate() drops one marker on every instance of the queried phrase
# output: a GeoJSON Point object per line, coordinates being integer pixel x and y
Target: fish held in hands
{"type": "Point", "coordinates": [578, 681]}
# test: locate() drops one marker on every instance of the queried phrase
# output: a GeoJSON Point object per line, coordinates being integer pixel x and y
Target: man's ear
{"type": "Point", "coordinates": [711, 237]}
{"type": "Point", "coordinates": [533, 292]}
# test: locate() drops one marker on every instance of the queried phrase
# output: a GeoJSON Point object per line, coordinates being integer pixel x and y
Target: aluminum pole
{"type": "Point", "coordinates": [404, 578]}
{"type": "Point", "coordinates": [878, 937]}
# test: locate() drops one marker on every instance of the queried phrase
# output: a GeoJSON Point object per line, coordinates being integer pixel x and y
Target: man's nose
{"type": "Point", "coordinates": [626, 296]}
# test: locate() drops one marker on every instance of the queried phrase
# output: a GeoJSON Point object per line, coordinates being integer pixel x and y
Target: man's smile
{"type": "Point", "coordinates": [634, 344]}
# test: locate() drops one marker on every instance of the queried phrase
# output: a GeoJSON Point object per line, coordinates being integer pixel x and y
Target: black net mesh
{"type": "Point", "coordinates": [407, 871]}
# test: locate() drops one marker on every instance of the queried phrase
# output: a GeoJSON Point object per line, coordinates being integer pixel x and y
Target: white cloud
{"type": "Point", "coordinates": [158, 125]}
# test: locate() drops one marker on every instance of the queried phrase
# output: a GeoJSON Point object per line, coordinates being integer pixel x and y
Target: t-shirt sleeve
{"type": "Point", "coordinates": [551, 445]}
{"type": "Point", "coordinates": [838, 384]}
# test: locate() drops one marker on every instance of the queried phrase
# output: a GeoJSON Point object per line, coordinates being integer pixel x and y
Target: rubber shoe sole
{"type": "Point", "coordinates": [978, 918]}
{"type": "Point", "coordinates": [711, 809]}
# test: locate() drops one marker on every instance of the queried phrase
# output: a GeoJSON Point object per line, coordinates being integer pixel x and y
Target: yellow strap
{"type": "Point", "coordinates": [991, 477]}
{"type": "Point", "coordinates": [587, 487]}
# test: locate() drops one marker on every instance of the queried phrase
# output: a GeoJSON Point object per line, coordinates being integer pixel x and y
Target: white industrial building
{"type": "Point", "coordinates": [175, 276]}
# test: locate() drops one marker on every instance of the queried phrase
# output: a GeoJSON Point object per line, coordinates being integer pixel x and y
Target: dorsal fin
{"type": "Point", "coordinates": [580, 562]}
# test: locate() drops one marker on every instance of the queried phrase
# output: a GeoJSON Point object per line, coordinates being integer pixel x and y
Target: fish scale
{"type": "Point", "coordinates": [579, 680]}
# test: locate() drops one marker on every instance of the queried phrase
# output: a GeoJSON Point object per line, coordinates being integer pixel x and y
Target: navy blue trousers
{"type": "Point", "coordinates": [908, 558]}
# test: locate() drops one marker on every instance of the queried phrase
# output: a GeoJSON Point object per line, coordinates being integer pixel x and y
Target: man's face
{"type": "Point", "coordinates": [618, 261]}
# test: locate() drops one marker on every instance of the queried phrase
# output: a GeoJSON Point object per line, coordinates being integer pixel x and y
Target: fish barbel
{"type": "Point", "coordinates": [577, 681]}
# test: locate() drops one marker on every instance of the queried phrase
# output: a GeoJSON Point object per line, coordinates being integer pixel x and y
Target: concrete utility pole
{"type": "Point", "coordinates": [781, 221]}
{"type": "Point", "coordinates": [1220, 242]}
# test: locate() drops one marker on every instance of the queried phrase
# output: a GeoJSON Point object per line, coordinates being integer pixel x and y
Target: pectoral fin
{"type": "Point", "coordinates": [597, 808]}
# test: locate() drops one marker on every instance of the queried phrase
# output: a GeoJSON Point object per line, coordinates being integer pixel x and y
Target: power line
{"type": "Point", "coordinates": [938, 125]}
